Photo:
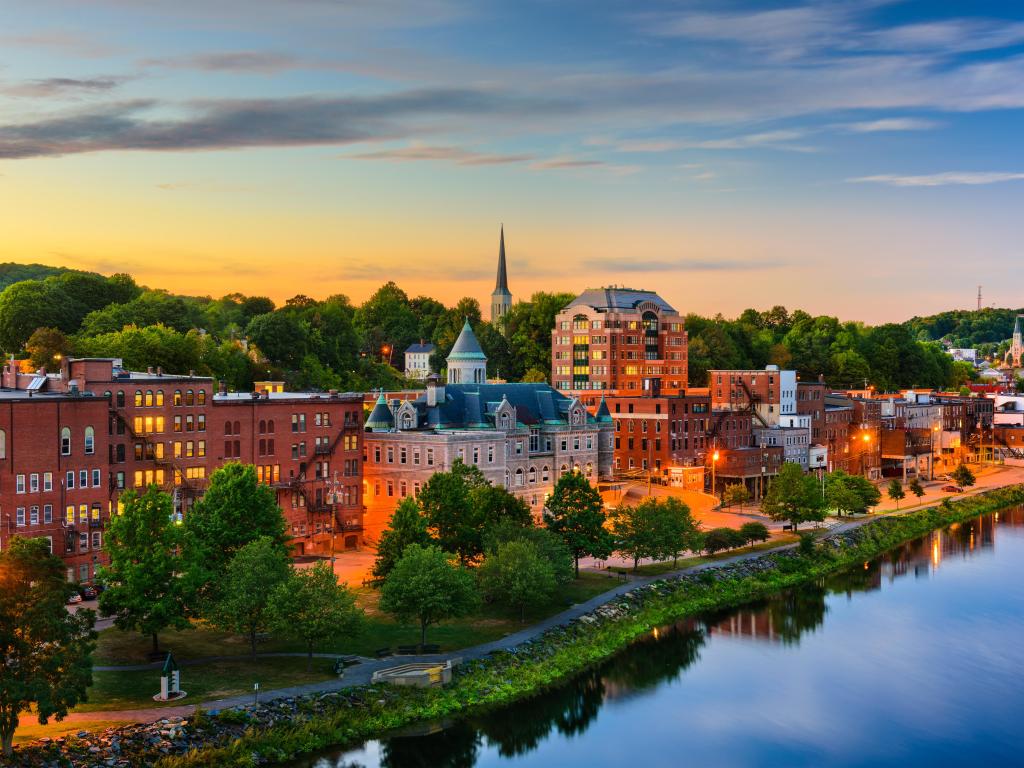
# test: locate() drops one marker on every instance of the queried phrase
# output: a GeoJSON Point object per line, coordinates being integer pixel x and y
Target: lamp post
{"type": "Point", "coordinates": [714, 464]}
{"type": "Point", "coordinates": [931, 456]}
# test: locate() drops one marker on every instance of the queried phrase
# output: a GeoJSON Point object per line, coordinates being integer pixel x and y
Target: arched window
{"type": "Point", "coordinates": [227, 427]}
{"type": "Point", "coordinates": [519, 477]}
{"type": "Point", "coordinates": [506, 420]}
{"type": "Point", "coordinates": [120, 399]}
{"type": "Point", "coordinates": [149, 398]}
{"type": "Point", "coordinates": [3, 444]}
{"type": "Point", "coordinates": [263, 426]}
{"type": "Point", "coordinates": [270, 426]}
{"type": "Point", "coordinates": [563, 470]}
{"type": "Point", "coordinates": [532, 475]}
{"type": "Point", "coordinates": [544, 474]}
{"type": "Point", "coordinates": [177, 397]}
{"type": "Point", "coordinates": [190, 397]}
{"type": "Point", "coordinates": [238, 427]}
{"type": "Point", "coordinates": [407, 421]}
{"type": "Point", "coordinates": [201, 397]}
{"type": "Point", "coordinates": [138, 398]}
{"type": "Point", "coordinates": [590, 469]}
{"type": "Point", "coordinates": [90, 440]}
{"type": "Point", "coordinates": [65, 441]}
{"type": "Point", "coordinates": [159, 397]}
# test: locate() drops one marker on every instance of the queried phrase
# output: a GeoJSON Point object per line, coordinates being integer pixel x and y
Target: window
{"type": "Point", "coordinates": [90, 441]}
{"type": "Point", "coordinates": [33, 515]}
{"type": "Point", "coordinates": [190, 423]}
{"type": "Point", "coordinates": [159, 397]}
{"type": "Point", "coordinates": [201, 397]}
{"type": "Point", "coordinates": [3, 444]}
{"type": "Point", "coordinates": [177, 424]}
{"type": "Point", "coordinates": [19, 484]}
{"type": "Point", "coordinates": [201, 447]}
{"type": "Point", "coordinates": [83, 478]}
{"type": "Point", "coordinates": [201, 422]}
{"type": "Point", "coordinates": [20, 516]}
{"type": "Point", "coordinates": [177, 397]}
{"type": "Point", "coordinates": [149, 398]}
{"type": "Point", "coordinates": [33, 483]}
{"type": "Point", "coordinates": [519, 477]}
{"type": "Point", "coordinates": [65, 441]}
{"type": "Point", "coordinates": [190, 397]}
{"type": "Point", "coordinates": [47, 514]}
{"type": "Point", "coordinates": [138, 398]}
{"type": "Point", "coordinates": [69, 480]}
{"type": "Point", "coordinates": [430, 457]}
{"type": "Point", "coordinates": [96, 477]}
{"type": "Point", "coordinates": [47, 481]}
{"type": "Point", "coordinates": [120, 399]}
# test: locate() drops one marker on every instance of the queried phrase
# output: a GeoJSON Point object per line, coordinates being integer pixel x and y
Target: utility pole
{"type": "Point", "coordinates": [979, 298]}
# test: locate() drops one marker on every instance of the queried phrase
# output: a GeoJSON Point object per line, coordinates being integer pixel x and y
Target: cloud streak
{"type": "Point", "coordinates": [678, 265]}
{"type": "Point", "coordinates": [422, 152]}
{"type": "Point", "coordinates": [948, 178]}
{"type": "Point", "coordinates": [62, 86]}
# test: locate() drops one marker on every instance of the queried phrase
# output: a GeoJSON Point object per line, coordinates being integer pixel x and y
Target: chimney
{"type": "Point", "coordinates": [191, 373]}
{"type": "Point", "coordinates": [159, 371]}
{"type": "Point", "coordinates": [149, 369]}
{"type": "Point", "coordinates": [222, 388]}
{"type": "Point", "coordinates": [435, 390]}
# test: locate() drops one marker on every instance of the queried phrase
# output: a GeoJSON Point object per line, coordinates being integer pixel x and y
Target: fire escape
{"type": "Point", "coordinates": [176, 478]}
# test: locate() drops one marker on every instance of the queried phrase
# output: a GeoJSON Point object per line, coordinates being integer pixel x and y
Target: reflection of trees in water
{"type": "Point", "coordinates": [653, 660]}
{"type": "Point", "coordinates": [568, 709]}
{"type": "Point", "coordinates": [780, 618]}
{"type": "Point", "coordinates": [454, 747]}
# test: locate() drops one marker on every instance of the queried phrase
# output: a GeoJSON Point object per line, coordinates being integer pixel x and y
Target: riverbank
{"type": "Point", "coordinates": [277, 731]}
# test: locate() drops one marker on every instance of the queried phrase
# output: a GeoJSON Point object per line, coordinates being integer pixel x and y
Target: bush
{"type": "Point", "coordinates": [719, 539]}
{"type": "Point", "coordinates": [806, 546]}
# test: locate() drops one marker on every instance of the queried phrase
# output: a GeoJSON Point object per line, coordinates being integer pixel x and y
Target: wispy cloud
{"type": "Point", "coordinates": [418, 152]}
{"type": "Point", "coordinates": [60, 86]}
{"type": "Point", "coordinates": [678, 265]}
{"type": "Point", "coordinates": [262, 62]}
{"type": "Point", "coordinates": [893, 124]}
{"type": "Point", "coordinates": [941, 179]}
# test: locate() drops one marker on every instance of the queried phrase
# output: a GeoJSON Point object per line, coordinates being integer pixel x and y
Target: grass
{"type": "Point", "coordinates": [214, 680]}
{"type": "Point", "coordinates": [657, 569]}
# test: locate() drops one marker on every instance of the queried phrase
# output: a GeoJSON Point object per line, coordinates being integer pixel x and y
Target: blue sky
{"type": "Point", "coordinates": [857, 158]}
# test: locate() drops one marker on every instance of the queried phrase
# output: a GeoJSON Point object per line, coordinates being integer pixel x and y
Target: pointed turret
{"type": "Point", "coordinates": [381, 419]}
{"type": "Point", "coordinates": [501, 298]}
{"type": "Point", "coordinates": [467, 363]}
{"type": "Point", "coordinates": [603, 414]}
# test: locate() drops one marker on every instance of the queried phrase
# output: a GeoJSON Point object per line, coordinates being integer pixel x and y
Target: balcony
{"type": "Point", "coordinates": [322, 450]}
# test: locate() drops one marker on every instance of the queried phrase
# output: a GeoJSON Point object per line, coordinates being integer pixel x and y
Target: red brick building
{"type": "Point", "coordinates": [768, 393]}
{"type": "Point", "coordinates": [171, 430]}
{"type": "Point", "coordinates": [618, 341]}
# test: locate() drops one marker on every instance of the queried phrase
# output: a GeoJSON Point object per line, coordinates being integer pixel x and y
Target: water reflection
{"type": "Point", "coordinates": [659, 661]}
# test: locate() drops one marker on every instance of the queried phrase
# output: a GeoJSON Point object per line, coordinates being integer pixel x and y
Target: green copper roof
{"type": "Point", "coordinates": [381, 416]}
{"type": "Point", "coordinates": [603, 414]}
{"type": "Point", "coordinates": [466, 346]}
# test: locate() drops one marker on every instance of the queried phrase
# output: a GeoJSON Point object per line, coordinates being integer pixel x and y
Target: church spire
{"type": "Point", "coordinates": [502, 281]}
{"type": "Point", "coordinates": [501, 298]}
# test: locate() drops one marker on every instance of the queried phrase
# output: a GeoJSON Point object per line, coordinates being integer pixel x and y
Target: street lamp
{"type": "Point", "coordinates": [714, 463]}
{"type": "Point", "coordinates": [931, 457]}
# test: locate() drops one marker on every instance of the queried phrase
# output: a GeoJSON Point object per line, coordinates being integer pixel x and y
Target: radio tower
{"type": "Point", "coordinates": [979, 298]}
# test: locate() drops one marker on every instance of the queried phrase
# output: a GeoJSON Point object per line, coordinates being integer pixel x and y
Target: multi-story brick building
{"type": "Point", "coordinates": [523, 437]}
{"type": "Point", "coordinates": [768, 393]}
{"type": "Point", "coordinates": [54, 478]}
{"type": "Point", "coordinates": [618, 341]}
{"type": "Point", "coordinates": [665, 436]}
{"type": "Point", "coordinates": [171, 431]}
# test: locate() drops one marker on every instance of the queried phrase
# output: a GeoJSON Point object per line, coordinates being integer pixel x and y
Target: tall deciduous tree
{"type": "Point", "coordinates": [793, 496]}
{"type": "Point", "coordinates": [915, 487]}
{"type": "Point", "coordinates": [634, 529]}
{"type": "Point", "coordinates": [550, 546]}
{"type": "Point", "coordinates": [425, 586]}
{"type": "Point", "coordinates": [144, 590]}
{"type": "Point", "coordinates": [46, 651]}
{"type": "Point", "coordinates": [407, 526]}
{"type": "Point", "coordinates": [240, 601]}
{"type": "Point", "coordinates": [310, 605]}
{"type": "Point", "coordinates": [235, 510]}
{"type": "Point", "coordinates": [454, 520]}
{"type": "Point", "coordinates": [752, 532]}
{"type": "Point", "coordinates": [736, 493]}
{"type": "Point", "coordinates": [517, 575]}
{"type": "Point", "coordinates": [575, 512]}
{"type": "Point", "coordinates": [896, 492]}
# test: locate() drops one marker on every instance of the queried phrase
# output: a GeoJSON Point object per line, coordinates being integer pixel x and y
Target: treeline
{"type": "Point", "coordinates": [333, 343]}
{"type": "Point", "coordinates": [987, 329]}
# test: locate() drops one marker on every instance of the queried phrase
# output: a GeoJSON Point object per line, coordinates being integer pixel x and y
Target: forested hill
{"type": "Point", "coordinates": [335, 344]}
{"type": "Point", "coordinates": [967, 328]}
{"type": "Point", "coordinates": [13, 273]}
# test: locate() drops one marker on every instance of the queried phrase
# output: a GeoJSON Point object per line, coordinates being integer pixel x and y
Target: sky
{"type": "Point", "coordinates": [861, 159]}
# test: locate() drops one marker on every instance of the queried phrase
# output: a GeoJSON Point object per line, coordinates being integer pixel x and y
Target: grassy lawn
{"type": "Point", "coordinates": [657, 569]}
{"type": "Point", "coordinates": [30, 730]}
{"type": "Point", "coordinates": [492, 622]}
{"type": "Point", "coordinates": [215, 680]}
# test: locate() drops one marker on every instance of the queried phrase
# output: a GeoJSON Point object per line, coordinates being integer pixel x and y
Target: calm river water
{"type": "Point", "coordinates": [917, 659]}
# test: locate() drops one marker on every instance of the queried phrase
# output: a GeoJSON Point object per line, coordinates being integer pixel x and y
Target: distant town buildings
{"type": "Point", "coordinates": [417, 360]}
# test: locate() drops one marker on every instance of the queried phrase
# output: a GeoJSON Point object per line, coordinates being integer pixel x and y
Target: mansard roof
{"type": "Point", "coordinates": [473, 406]}
{"type": "Point", "coordinates": [618, 299]}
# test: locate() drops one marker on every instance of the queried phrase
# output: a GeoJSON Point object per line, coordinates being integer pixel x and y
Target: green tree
{"type": "Point", "coordinates": [46, 346]}
{"type": "Point", "coordinates": [850, 493]}
{"type": "Point", "coordinates": [736, 493]}
{"type": "Point", "coordinates": [895, 491]}
{"type": "Point", "coordinates": [496, 505]}
{"type": "Point", "coordinates": [916, 487]}
{"type": "Point", "coordinates": [517, 575]}
{"type": "Point", "coordinates": [235, 510]}
{"type": "Point", "coordinates": [281, 336]}
{"type": "Point", "coordinates": [676, 530]}
{"type": "Point", "coordinates": [426, 587]}
{"type": "Point", "coordinates": [407, 526]}
{"type": "Point", "coordinates": [752, 532]}
{"type": "Point", "coordinates": [46, 651]}
{"type": "Point", "coordinates": [719, 539]}
{"type": "Point", "coordinates": [310, 605]}
{"type": "Point", "coordinates": [634, 529]}
{"type": "Point", "coordinates": [144, 591]}
{"type": "Point", "coordinates": [240, 601]}
{"type": "Point", "coordinates": [535, 376]}
{"type": "Point", "coordinates": [452, 517]}
{"type": "Point", "coordinates": [575, 513]}
{"type": "Point", "coordinates": [793, 496]}
{"type": "Point", "coordinates": [550, 546]}
{"type": "Point", "coordinates": [963, 476]}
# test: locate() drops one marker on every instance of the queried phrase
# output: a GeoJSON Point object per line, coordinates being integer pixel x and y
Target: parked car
{"type": "Point", "coordinates": [952, 489]}
{"type": "Point", "coordinates": [75, 598]}
{"type": "Point", "coordinates": [87, 591]}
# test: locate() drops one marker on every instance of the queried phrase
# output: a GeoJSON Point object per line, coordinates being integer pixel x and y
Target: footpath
{"type": "Point", "coordinates": [361, 672]}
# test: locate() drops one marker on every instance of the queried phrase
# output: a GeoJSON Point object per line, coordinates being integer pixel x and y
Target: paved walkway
{"type": "Point", "coordinates": [361, 673]}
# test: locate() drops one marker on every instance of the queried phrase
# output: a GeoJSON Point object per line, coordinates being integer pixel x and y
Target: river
{"type": "Point", "coordinates": [915, 659]}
